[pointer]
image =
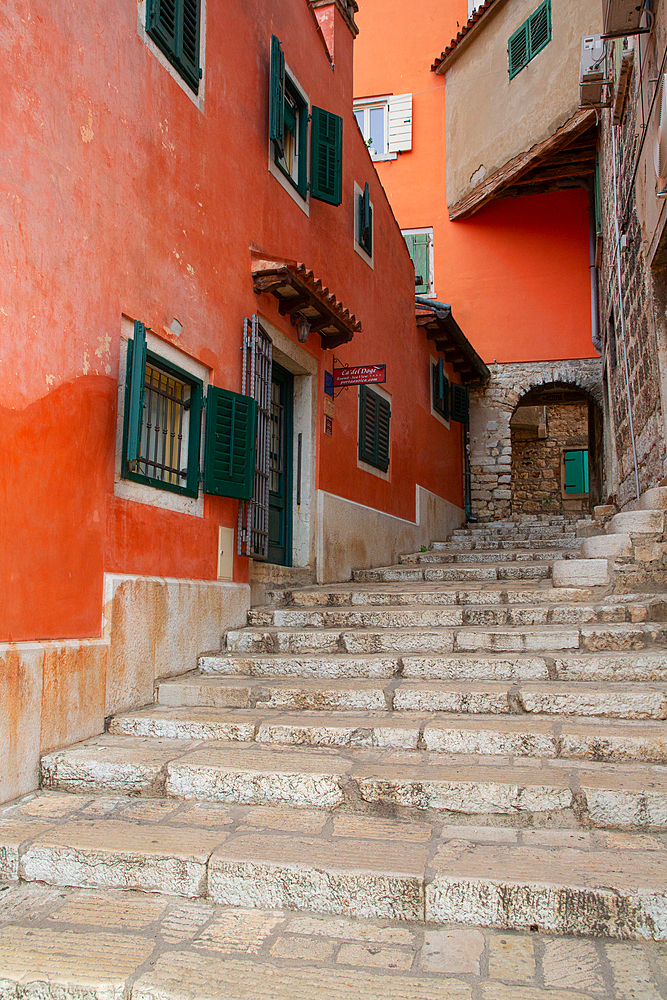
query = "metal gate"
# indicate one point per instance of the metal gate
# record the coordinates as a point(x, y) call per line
point(253, 533)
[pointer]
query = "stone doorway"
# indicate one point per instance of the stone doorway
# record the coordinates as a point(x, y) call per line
point(555, 436)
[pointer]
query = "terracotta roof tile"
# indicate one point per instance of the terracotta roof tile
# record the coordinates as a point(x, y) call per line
point(472, 21)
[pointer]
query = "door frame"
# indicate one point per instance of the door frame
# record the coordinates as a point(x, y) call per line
point(286, 379)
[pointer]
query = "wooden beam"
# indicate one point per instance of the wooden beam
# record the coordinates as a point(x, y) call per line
point(293, 304)
point(508, 174)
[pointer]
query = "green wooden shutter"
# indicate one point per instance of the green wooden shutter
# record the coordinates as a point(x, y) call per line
point(366, 222)
point(135, 390)
point(539, 28)
point(374, 427)
point(277, 98)
point(576, 471)
point(440, 390)
point(326, 157)
point(419, 248)
point(517, 50)
point(174, 25)
point(459, 403)
point(229, 458)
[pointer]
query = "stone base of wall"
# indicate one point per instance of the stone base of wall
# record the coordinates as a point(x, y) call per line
point(491, 408)
point(359, 537)
point(58, 692)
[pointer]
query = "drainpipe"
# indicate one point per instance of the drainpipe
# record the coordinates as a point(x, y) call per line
point(622, 313)
point(592, 240)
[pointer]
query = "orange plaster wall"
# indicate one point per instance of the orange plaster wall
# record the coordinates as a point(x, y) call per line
point(516, 273)
point(118, 196)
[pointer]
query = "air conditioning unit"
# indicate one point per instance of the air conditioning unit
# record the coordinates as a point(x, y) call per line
point(622, 17)
point(591, 71)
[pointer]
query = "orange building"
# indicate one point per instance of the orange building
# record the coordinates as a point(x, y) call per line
point(488, 162)
point(194, 236)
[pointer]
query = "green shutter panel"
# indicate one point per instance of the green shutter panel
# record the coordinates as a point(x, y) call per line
point(174, 25)
point(135, 390)
point(277, 99)
point(229, 458)
point(383, 422)
point(517, 50)
point(576, 471)
point(459, 403)
point(326, 157)
point(441, 380)
point(539, 28)
point(366, 222)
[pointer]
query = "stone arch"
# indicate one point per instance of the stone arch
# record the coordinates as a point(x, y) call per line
point(491, 408)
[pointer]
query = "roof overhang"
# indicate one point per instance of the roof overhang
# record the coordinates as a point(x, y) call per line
point(565, 159)
point(436, 319)
point(304, 298)
point(468, 31)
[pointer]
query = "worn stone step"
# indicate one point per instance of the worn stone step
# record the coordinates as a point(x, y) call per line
point(592, 637)
point(499, 789)
point(454, 573)
point(650, 665)
point(566, 880)
point(557, 733)
point(385, 594)
point(401, 616)
point(474, 556)
point(566, 542)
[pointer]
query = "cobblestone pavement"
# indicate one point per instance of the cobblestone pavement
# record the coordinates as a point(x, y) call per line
point(83, 944)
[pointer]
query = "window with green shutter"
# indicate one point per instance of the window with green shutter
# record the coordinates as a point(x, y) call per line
point(529, 39)
point(162, 429)
point(174, 26)
point(420, 247)
point(440, 390)
point(288, 122)
point(326, 157)
point(365, 221)
point(374, 426)
point(458, 403)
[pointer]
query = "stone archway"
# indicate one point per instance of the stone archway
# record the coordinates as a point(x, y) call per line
point(491, 409)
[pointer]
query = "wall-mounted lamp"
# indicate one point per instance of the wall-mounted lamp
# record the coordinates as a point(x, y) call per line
point(303, 329)
point(176, 327)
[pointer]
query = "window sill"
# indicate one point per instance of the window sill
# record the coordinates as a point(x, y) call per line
point(378, 157)
point(373, 471)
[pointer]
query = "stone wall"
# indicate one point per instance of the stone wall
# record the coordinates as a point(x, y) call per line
point(491, 408)
point(636, 392)
point(537, 485)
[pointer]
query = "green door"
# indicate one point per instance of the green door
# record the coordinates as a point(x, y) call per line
point(280, 467)
point(576, 471)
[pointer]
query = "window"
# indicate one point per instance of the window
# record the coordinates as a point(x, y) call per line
point(439, 389)
point(529, 39)
point(420, 247)
point(575, 465)
point(386, 125)
point(174, 26)
point(162, 429)
point(365, 221)
point(288, 133)
point(374, 421)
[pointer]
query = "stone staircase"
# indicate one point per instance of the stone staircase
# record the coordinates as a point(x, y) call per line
point(450, 739)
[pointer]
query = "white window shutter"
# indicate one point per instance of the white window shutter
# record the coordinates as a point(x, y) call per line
point(399, 123)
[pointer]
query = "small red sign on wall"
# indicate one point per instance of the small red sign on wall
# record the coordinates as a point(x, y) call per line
point(360, 375)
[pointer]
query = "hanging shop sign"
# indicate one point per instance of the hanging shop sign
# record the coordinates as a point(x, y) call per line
point(361, 375)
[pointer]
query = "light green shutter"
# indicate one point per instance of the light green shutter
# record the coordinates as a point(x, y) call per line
point(529, 39)
point(277, 98)
point(517, 50)
point(576, 471)
point(374, 428)
point(174, 25)
point(229, 458)
point(459, 403)
point(419, 248)
point(135, 390)
point(326, 157)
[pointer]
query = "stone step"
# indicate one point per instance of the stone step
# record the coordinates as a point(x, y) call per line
point(472, 557)
point(440, 718)
point(584, 882)
point(585, 666)
point(395, 594)
point(612, 636)
point(451, 574)
point(520, 790)
point(569, 542)
point(398, 616)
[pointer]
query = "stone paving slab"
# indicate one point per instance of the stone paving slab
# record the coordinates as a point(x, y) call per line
point(74, 944)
